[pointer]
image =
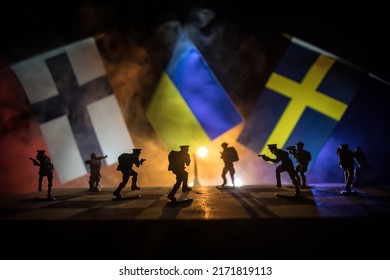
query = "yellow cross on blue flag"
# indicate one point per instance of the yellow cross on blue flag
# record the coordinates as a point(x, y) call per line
point(303, 100)
point(189, 105)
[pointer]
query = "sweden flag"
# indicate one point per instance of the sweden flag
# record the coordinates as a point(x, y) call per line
point(303, 100)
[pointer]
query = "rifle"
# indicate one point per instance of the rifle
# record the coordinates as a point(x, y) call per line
point(99, 158)
point(263, 156)
point(36, 163)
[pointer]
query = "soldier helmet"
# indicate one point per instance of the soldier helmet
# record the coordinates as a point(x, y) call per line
point(137, 150)
point(93, 155)
point(41, 152)
point(344, 146)
point(184, 147)
point(300, 144)
point(224, 144)
point(272, 146)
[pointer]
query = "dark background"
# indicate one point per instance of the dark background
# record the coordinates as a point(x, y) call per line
point(241, 43)
point(355, 32)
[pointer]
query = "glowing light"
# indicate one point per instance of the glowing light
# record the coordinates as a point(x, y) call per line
point(238, 182)
point(202, 151)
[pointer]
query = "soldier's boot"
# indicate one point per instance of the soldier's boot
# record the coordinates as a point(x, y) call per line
point(232, 178)
point(185, 187)
point(303, 183)
point(348, 185)
point(297, 191)
point(298, 180)
point(116, 193)
point(50, 194)
point(134, 186)
point(224, 181)
point(278, 183)
point(171, 195)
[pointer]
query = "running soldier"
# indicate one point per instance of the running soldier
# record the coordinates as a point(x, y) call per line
point(178, 160)
point(126, 162)
point(285, 166)
point(229, 156)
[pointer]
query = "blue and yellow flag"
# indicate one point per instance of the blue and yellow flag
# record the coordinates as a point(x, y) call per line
point(303, 100)
point(189, 106)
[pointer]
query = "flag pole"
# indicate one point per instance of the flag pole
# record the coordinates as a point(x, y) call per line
point(196, 181)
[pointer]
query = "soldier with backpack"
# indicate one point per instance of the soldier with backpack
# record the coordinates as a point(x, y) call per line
point(178, 160)
point(302, 157)
point(229, 155)
point(125, 165)
point(346, 163)
point(46, 169)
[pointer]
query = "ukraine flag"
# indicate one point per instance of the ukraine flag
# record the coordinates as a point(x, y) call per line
point(189, 106)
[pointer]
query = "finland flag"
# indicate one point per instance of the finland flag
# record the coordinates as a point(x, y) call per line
point(74, 104)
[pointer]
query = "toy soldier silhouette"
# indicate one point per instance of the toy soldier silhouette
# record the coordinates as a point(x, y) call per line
point(362, 167)
point(94, 177)
point(346, 163)
point(178, 160)
point(229, 156)
point(46, 169)
point(302, 157)
point(285, 166)
point(125, 165)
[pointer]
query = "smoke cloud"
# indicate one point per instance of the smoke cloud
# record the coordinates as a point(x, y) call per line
point(135, 48)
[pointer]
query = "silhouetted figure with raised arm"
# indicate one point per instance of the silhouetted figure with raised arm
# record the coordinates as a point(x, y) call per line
point(346, 163)
point(285, 166)
point(229, 156)
point(178, 160)
point(125, 165)
point(362, 167)
point(94, 176)
point(302, 157)
point(46, 169)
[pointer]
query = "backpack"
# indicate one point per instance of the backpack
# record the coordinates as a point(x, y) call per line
point(48, 165)
point(172, 159)
point(306, 156)
point(232, 154)
point(123, 161)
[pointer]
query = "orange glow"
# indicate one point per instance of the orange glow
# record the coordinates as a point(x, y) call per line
point(202, 151)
